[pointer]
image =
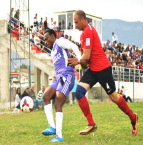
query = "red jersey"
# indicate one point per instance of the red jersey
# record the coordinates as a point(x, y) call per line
point(90, 39)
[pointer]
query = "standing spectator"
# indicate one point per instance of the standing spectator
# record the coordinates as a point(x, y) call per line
point(35, 20)
point(46, 25)
point(41, 22)
point(114, 38)
point(51, 24)
point(11, 12)
point(40, 96)
point(16, 16)
point(32, 95)
point(17, 98)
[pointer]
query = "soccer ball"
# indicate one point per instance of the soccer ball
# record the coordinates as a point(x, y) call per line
point(26, 104)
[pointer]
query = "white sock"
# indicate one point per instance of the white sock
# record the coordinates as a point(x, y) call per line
point(59, 122)
point(49, 114)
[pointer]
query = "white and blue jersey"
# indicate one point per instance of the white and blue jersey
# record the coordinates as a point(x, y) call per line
point(64, 73)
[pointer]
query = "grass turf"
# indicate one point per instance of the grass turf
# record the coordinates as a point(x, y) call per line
point(113, 126)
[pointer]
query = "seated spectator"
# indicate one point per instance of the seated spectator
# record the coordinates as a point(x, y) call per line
point(24, 33)
point(123, 92)
point(55, 26)
point(37, 40)
point(32, 40)
point(35, 29)
point(25, 93)
point(17, 98)
point(32, 95)
point(40, 96)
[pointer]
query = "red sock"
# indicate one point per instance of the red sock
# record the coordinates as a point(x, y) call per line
point(84, 106)
point(125, 108)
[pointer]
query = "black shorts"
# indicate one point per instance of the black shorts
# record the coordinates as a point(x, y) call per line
point(104, 77)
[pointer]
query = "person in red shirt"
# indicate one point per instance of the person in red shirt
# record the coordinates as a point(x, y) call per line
point(99, 70)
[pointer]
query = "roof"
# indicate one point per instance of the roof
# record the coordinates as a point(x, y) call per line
point(74, 11)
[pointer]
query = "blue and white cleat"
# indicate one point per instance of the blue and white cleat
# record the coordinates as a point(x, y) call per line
point(49, 131)
point(57, 139)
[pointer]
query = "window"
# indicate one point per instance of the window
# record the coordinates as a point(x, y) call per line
point(62, 21)
point(98, 27)
point(70, 21)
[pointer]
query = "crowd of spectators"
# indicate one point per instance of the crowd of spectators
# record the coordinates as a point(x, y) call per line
point(118, 54)
point(125, 57)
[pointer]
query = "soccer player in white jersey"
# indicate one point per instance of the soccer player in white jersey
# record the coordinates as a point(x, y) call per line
point(63, 84)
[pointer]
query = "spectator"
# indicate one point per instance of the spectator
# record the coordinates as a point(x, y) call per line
point(35, 29)
point(16, 16)
point(11, 12)
point(66, 36)
point(25, 93)
point(40, 96)
point(41, 22)
point(114, 38)
point(35, 20)
point(70, 38)
point(51, 24)
point(123, 92)
point(17, 98)
point(32, 95)
point(37, 40)
point(46, 25)
point(55, 26)
point(62, 33)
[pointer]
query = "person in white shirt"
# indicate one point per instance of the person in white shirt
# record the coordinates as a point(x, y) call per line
point(17, 98)
point(37, 40)
point(114, 37)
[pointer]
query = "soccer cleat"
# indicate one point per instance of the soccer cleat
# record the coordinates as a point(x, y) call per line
point(57, 139)
point(49, 131)
point(135, 125)
point(89, 129)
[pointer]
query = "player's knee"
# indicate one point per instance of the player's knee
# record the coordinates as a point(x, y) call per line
point(80, 92)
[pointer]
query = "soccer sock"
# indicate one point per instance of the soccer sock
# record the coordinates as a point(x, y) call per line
point(49, 114)
point(59, 122)
point(125, 108)
point(84, 106)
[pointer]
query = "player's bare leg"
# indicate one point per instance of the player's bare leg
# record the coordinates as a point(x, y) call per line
point(49, 94)
point(125, 108)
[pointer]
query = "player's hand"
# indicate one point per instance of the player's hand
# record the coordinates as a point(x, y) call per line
point(84, 63)
point(73, 61)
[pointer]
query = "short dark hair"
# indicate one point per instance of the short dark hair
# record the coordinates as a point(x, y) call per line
point(80, 14)
point(51, 31)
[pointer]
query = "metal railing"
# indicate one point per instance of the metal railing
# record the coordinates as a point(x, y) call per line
point(125, 74)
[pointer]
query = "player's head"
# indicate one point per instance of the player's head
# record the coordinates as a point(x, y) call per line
point(80, 20)
point(50, 37)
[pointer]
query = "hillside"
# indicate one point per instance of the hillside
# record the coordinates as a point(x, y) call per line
point(127, 32)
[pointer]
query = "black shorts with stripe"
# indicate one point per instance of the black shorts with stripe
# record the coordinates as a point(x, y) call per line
point(104, 77)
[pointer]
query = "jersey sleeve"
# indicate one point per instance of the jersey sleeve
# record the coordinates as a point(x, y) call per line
point(66, 44)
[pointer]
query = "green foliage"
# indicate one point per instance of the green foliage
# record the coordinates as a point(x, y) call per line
point(23, 66)
point(114, 127)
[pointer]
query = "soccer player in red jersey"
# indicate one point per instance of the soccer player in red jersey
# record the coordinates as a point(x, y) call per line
point(99, 70)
